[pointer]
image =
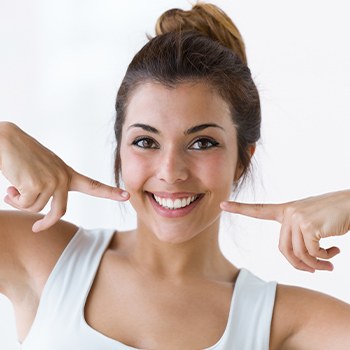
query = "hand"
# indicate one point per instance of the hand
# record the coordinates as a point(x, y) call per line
point(304, 223)
point(37, 174)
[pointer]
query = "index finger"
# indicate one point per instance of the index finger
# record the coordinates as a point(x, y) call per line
point(84, 184)
point(258, 211)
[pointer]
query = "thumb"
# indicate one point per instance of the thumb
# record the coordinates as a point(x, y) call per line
point(84, 184)
point(258, 211)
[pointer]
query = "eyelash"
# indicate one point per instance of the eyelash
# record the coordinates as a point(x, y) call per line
point(155, 145)
point(147, 139)
point(205, 140)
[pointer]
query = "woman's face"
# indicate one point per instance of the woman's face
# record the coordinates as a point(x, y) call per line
point(178, 158)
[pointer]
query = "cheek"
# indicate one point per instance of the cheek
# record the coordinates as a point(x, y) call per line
point(218, 172)
point(133, 169)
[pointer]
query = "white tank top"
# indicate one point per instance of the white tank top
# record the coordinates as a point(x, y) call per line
point(60, 324)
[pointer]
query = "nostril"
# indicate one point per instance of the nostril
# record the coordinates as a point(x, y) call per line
point(172, 174)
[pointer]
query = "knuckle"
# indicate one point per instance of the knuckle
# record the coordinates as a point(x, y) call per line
point(63, 178)
point(25, 203)
point(297, 216)
point(282, 247)
point(300, 266)
point(299, 253)
point(297, 264)
point(285, 249)
point(258, 207)
point(289, 211)
point(318, 235)
point(306, 225)
point(34, 187)
point(52, 218)
point(95, 185)
point(63, 210)
point(50, 186)
point(60, 212)
point(312, 253)
point(32, 183)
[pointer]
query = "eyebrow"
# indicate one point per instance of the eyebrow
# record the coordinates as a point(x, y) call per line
point(145, 127)
point(189, 131)
point(201, 127)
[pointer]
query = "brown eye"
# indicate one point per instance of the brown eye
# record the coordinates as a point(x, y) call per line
point(204, 144)
point(145, 143)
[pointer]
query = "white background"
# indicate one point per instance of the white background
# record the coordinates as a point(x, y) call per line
point(61, 63)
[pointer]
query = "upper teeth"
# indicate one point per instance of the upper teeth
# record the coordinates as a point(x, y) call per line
point(174, 204)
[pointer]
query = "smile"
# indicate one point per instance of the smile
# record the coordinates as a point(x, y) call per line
point(177, 203)
point(174, 205)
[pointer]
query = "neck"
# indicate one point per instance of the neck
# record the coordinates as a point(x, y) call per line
point(198, 257)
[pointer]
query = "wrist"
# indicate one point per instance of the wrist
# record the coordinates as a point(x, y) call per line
point(346, 194)
point(347, 198)
point(6, 130)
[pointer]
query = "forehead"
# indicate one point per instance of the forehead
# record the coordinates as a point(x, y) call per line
point(185, 104)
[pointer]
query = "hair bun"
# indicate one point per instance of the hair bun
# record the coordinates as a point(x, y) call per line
point(207, 19)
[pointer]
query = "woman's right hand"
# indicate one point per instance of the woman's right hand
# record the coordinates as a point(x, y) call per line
point(37, 174)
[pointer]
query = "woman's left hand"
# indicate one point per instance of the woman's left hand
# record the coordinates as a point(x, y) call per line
point(304, 223)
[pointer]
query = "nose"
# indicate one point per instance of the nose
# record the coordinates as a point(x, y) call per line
point(172, 166)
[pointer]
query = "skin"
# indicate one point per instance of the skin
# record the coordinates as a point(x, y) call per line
point(303, 224)
point(168, 267)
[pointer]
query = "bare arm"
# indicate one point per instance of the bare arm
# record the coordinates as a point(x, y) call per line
point(309, 320)
point(36, 175)
point(27, 258)
point(305, 319)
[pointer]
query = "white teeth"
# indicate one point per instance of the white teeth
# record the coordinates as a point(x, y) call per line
point(174, 204)
point(177, 203)
point(170, 203)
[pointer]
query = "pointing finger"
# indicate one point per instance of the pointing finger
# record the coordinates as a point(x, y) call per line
point(258, 211)
point(95, 188)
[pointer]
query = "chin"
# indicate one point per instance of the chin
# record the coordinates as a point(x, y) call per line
point(172, 236)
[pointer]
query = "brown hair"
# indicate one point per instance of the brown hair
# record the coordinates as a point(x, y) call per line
point(207, 19)
point(200, 45)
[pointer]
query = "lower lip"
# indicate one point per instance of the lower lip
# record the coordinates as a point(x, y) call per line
point(173, 213)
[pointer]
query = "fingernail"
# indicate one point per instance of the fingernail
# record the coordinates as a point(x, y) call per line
point(36, 228)
point(125, 194)
point(225, 205)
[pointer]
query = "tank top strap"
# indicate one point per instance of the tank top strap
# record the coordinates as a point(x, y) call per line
point(249, 321)
point(252, 310)
point(63, 298)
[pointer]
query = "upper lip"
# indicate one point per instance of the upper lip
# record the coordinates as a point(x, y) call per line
point(174, 195)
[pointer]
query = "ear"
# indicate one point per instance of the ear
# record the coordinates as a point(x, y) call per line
point(240, 169)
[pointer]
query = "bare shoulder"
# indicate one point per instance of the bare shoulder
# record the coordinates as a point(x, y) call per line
point(306, 319)
point(27, 258)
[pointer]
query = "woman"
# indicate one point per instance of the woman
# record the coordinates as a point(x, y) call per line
point(165, 284)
